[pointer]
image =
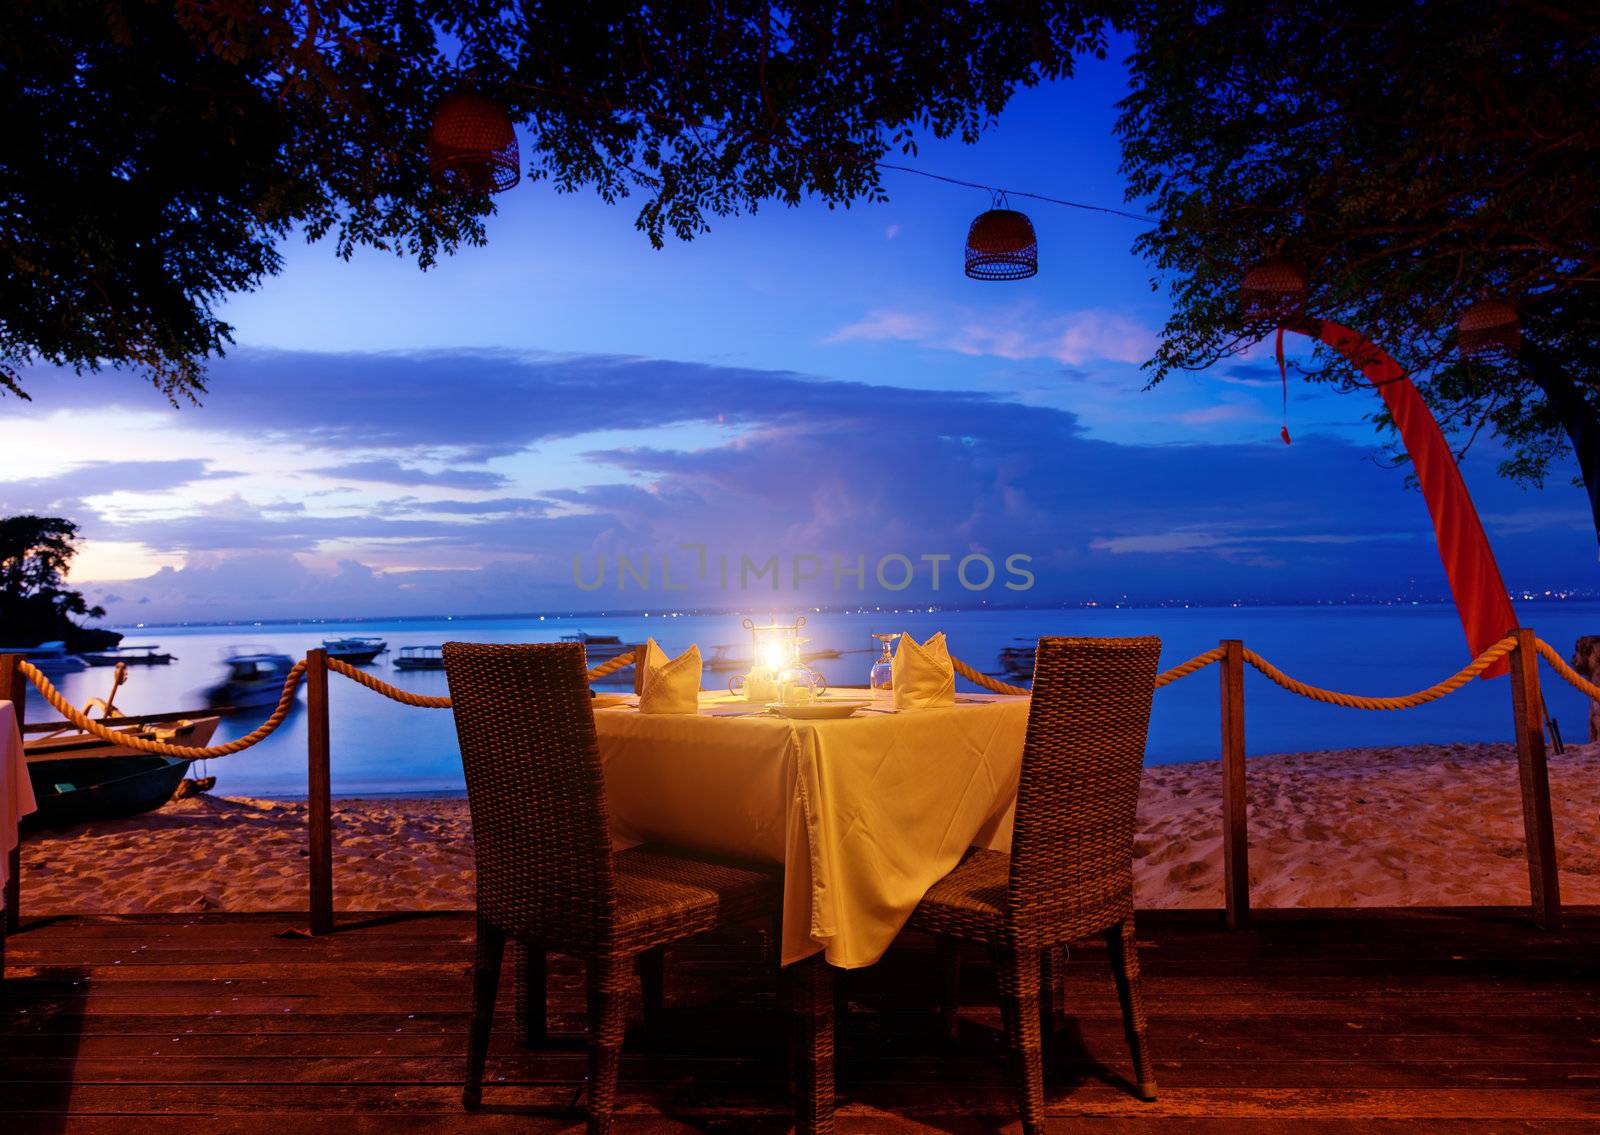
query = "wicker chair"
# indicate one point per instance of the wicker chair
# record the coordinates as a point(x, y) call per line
point(1070, 872)
point(547, 876)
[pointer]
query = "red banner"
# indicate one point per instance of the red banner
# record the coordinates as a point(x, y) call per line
point(1475, 582)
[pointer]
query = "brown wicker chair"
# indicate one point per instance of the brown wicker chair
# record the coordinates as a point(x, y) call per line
point(1070, 872)
point(547, 876)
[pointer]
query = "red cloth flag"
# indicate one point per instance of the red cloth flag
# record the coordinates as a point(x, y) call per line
point(1469, 564)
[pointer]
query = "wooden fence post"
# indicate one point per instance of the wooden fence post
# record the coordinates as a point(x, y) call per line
point(14, 688)
point(1538, 828)
point(1235, 819)
point(319, 792)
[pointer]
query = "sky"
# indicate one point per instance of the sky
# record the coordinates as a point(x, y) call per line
point(803, 406)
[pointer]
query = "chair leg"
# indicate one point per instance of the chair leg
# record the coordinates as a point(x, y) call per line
point(1124, 955)
point(610, 979)
point(1017, 976)
point(487, 956)
point(1052, 961)
point(652, 980)
point(811, 999)
point(532, 982)
point(949, 958)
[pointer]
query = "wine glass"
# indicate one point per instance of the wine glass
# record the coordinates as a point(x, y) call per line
point(882, 677)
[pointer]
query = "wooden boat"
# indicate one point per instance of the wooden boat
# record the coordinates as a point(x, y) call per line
point(50, 657)
point(78, 777)
point(420, 658)
point(149, 654)
point(357, 650)
point(723, 659)
point(598, 648)
point(255, 678)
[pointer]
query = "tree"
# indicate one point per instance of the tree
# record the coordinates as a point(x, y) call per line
point(35, 607)
point(158, 153)
point(1413, 158)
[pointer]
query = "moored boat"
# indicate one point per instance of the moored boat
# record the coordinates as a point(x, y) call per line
point(598, 648)
point(49, 657)
point(420, 658)
point(255, 678)
point(146, 654)
point(357, 650)
point(1016, 662)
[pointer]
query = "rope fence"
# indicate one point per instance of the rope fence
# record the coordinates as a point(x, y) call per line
point(1522, 645)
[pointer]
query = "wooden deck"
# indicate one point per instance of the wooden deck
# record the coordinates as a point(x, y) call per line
point(1371, 1022)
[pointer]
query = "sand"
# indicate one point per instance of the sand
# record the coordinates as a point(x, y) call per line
point(1422, 825)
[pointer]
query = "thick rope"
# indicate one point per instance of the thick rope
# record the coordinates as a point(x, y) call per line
point(1184, 669)
point(978, 678)
point(73, 714)
point(424, 701)
point(379, 686)
point(1354, 701)
point(1560, 666)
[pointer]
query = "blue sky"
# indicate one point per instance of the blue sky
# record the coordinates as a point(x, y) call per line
point(798, 383)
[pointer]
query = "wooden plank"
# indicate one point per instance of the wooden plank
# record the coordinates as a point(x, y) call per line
point(319, 801)
point(1544, 882)
point(1235, 797)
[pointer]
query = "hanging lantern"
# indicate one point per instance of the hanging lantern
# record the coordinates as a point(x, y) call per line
point(1273, 289)
point(1489, 326)
point(472, 147)
point(1001, 246)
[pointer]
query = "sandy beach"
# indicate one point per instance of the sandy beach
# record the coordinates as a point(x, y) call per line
point(1420, 825)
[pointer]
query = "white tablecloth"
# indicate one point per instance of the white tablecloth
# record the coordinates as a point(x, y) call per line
point(864, 813)
point(16, 791)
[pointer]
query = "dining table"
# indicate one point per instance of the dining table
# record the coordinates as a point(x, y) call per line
point(863, 813)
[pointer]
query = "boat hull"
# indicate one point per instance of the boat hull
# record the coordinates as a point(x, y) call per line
point(76, 790)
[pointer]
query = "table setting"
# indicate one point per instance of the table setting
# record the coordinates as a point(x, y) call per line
point(866, 797)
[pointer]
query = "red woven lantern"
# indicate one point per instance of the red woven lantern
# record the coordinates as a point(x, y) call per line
point(1273, 289)
point(1001, 246)
point(1489, 326)
point(472, 147)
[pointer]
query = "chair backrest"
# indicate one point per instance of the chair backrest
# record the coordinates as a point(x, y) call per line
point(540, 828)
point(1077, 803)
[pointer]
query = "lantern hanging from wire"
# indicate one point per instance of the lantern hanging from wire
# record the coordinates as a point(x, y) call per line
point(1001, 244)
point(1273, 289)
point(472, 146)
point(1489, 326)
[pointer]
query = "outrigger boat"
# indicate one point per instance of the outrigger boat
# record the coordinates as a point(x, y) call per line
point(77, 776)
point(49, 657)
point(1016, 662)
point(598, 648)
point(357, 650)
point(149, 654)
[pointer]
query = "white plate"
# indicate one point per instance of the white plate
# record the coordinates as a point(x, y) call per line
point(817, 711)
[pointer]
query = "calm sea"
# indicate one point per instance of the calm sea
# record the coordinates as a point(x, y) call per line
point(380, 746)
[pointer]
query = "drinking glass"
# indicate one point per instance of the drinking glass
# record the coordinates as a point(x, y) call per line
point(882, 677)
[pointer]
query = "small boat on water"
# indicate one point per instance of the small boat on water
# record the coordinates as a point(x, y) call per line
point(420, 658)
point(50, 657)
point(255, 678)
point(357, 650)
point(598, 648)
point(723, 659)
point(148, 654)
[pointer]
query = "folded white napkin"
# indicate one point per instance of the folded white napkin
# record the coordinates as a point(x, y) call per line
point(922, 675)
point(669, 685)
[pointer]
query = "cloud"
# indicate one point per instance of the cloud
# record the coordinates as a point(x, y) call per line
point(96, 478)
point(891, 232)
point(1017, 333)
point(799, 465)
point(1222, 412)
point(387, 471)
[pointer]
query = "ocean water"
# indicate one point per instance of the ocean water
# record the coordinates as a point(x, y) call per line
point(382, 747)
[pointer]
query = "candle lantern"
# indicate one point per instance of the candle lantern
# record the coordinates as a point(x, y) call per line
point(777, 670)
point(1273, 289)
point(1489, 327)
